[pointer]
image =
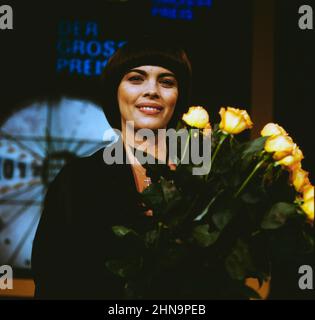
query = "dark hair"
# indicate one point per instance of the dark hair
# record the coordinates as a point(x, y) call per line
point(139, 52)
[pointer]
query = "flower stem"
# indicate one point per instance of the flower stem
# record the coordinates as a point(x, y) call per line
point(222, 138)
point(258, 165)
point(205, 211)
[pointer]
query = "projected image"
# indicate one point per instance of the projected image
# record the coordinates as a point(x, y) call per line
point(35, 143)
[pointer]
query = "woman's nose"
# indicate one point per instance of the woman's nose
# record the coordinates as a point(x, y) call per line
point(151, 90)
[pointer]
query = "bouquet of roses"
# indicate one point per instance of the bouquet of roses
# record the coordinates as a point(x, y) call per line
point(210, 233)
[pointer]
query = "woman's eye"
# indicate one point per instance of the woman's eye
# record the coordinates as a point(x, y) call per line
point(168, 82)
point(135, 79)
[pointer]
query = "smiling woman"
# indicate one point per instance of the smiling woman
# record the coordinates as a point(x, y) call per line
point(170, 69)
point(146, 82)
point(147, 95)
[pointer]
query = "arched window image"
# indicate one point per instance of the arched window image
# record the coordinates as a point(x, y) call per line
point(35, 143)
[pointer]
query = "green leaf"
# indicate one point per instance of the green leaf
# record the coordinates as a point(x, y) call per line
point(239, 262)
point(222, 218)
point(254, 147)
point(125, 268)
point(153, 196)
point(203, 237)
point(249, 151)
point(278, 215)
point(122, 231)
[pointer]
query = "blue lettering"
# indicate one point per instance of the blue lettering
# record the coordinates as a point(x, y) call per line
point(109, 47)
point(78, 47)
point(87, 67)
point(93, 48)
point(61, 64)
point(75, 66)
point(186, 14)
point(99, 66)
point(91, 29)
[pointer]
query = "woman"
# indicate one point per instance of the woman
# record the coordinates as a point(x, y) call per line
point(148, 81)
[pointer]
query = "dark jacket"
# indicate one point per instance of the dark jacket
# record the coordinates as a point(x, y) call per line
point(74, 237)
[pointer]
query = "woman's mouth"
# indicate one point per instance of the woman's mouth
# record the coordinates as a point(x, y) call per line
point(150, 109)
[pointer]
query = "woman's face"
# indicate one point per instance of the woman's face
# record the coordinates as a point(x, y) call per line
point(147, 95)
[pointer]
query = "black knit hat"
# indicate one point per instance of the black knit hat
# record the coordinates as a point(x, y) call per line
point(139, 52)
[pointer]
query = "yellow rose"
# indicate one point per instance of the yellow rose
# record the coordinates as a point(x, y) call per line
point(289, 160)
point(196, 117)
point(295, 166)
point(308, 192)
point(207, 130)
point(272, 129)
point(299, 178)
point(308, 208)
point(281, 144)
point(234, 121)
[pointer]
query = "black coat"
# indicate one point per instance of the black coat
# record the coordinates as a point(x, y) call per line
point(74, 237)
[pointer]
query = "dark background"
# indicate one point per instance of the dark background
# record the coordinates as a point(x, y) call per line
point(294, 98)
point(218, 42)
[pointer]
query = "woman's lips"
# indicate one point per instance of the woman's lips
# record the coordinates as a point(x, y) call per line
point(150, 109)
